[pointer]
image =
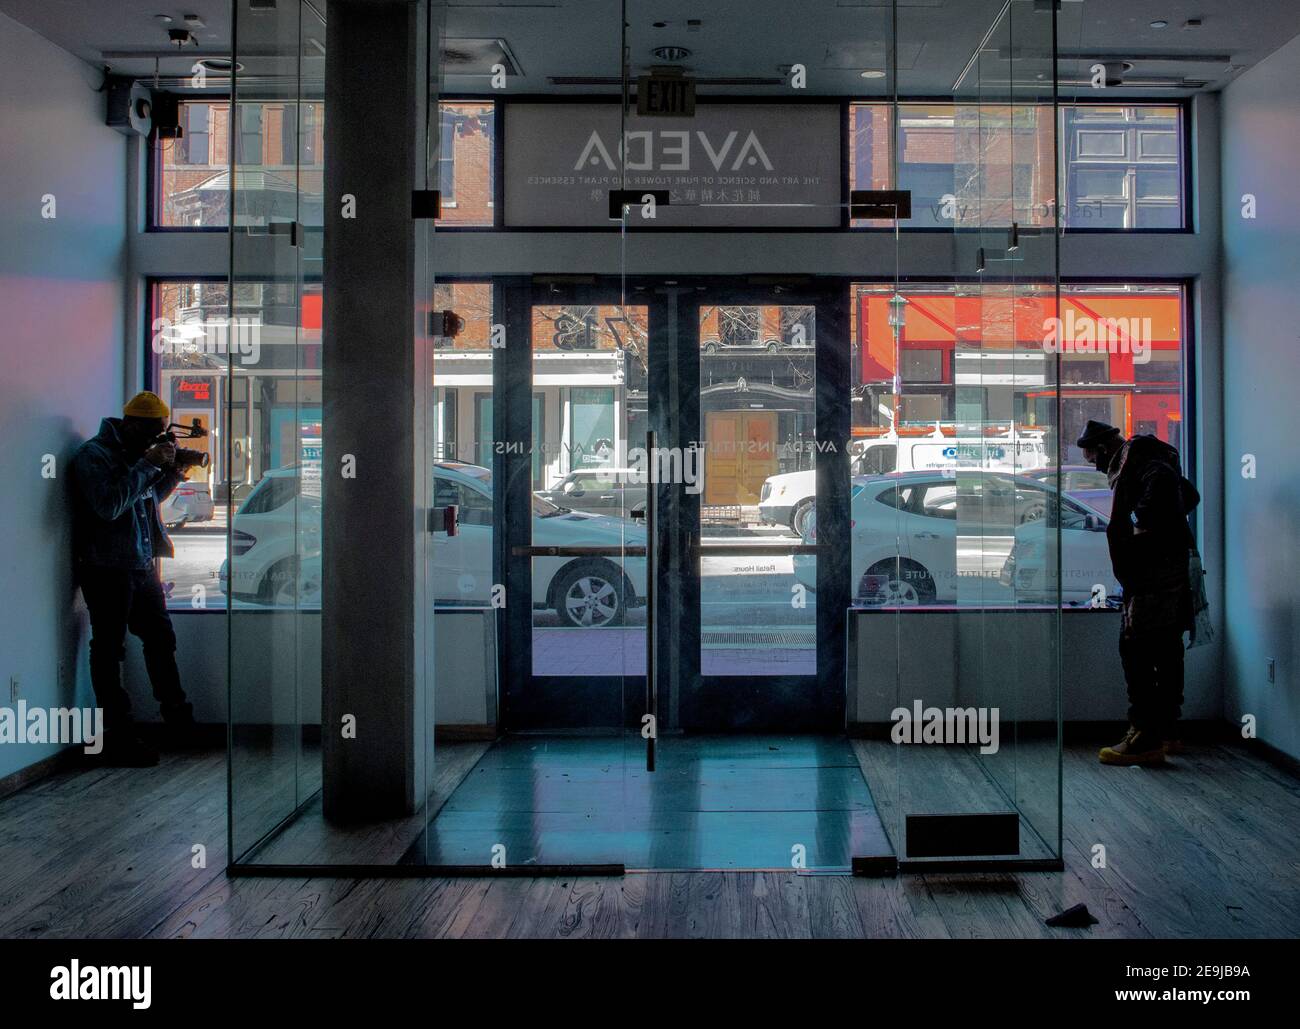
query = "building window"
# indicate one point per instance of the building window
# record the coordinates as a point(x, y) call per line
point(447, 157)
point(281, 170)
point(195, 140)
point(466, 165)
point(930, 361)
point(1122, 164)
point(248, 143)
point(255, 383)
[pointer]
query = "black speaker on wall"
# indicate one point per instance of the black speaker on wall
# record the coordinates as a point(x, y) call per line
point(130, 106)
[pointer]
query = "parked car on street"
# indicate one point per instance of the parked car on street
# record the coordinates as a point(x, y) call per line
point(276, 538)
point(1082, 482)
point(785, 499)
point(906, 546)
point(716, 343)
point(189, 502)
point(611, 491)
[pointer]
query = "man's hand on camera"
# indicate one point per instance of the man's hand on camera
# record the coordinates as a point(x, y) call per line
point(163, 454)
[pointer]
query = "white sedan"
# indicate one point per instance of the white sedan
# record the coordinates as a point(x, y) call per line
point(275, 546)
point(907, 548)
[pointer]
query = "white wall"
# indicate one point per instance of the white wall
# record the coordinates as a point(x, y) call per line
point(1261, 290)
point(62, 298)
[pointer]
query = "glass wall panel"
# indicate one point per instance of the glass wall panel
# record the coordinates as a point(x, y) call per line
point(955, 457)
point(268, 472)
point(534, 616)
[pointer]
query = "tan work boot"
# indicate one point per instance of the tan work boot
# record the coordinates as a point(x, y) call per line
point(1136, 748)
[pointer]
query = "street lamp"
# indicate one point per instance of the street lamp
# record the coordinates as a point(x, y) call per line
point(897, 322)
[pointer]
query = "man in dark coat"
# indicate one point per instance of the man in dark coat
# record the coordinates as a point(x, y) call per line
point(119, 478)
point(1150, 546)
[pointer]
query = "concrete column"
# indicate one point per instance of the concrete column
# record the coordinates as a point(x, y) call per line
point(369, 665)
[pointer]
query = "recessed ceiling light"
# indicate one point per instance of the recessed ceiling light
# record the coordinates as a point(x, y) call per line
point(872, 73)
point(1160, 24)
point(671, 53)
point(219, 65)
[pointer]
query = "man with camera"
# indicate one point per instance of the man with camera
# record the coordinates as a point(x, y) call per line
point(119, 479)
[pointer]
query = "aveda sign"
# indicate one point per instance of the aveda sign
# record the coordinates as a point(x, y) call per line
point(671, 151)
point(728, 165)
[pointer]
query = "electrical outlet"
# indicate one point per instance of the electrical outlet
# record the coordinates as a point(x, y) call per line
point(1272, 669)
point(15, 687)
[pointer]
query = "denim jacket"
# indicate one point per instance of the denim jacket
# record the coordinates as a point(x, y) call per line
point(115, 503)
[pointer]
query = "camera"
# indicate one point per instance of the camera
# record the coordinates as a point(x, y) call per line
point(186, 458)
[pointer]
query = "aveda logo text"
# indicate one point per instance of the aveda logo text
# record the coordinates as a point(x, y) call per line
point(672, 151)
point(103, 982)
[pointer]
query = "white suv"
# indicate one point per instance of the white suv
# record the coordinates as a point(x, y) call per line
point(276, 535)
point(905, 542)
point(786, 499)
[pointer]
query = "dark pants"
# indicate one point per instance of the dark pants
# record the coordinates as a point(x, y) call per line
point(1153, 669)
point(120, 600)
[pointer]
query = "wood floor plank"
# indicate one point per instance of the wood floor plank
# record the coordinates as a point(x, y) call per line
point(1209, 846)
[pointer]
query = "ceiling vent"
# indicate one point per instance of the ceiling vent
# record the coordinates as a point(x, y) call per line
point(477, 57)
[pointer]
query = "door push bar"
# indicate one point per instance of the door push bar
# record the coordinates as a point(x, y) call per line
point(445, 519)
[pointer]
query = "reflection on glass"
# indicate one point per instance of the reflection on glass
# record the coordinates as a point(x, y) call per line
point(917, 351)
point(1121, 163)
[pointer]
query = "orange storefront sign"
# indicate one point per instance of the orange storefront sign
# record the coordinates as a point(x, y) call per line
point(940, 320)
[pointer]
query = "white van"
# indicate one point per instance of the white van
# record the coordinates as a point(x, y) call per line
point(786, 499)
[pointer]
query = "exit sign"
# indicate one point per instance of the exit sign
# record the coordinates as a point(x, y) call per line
point(665, 96)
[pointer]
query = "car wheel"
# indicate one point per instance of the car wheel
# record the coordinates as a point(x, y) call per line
point(590, 595)
point(1032, 513)
point(905, 584)
point(279, 586)
point(799, 517)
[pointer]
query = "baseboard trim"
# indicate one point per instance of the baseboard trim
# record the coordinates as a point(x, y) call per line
point(471, 733)
point(68, 757)
point(1278, 758)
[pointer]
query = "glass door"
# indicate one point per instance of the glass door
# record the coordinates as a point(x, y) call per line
point(764, 655)
point(734, 174)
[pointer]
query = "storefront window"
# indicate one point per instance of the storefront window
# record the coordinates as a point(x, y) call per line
point(192, 174)
point(1121, 163)
point(251, 381)
point(1122, 362)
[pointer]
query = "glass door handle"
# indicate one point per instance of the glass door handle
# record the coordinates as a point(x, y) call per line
point(698, 550)
point(651, 574)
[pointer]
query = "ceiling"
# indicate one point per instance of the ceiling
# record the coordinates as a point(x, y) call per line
point(572, 46)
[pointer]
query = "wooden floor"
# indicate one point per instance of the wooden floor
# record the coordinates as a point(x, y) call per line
point(1207, 847)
